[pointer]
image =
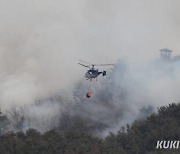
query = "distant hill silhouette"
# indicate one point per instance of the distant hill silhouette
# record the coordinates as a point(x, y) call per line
point(139, 138)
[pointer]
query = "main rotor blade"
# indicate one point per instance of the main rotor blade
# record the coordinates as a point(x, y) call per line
point(85, 62)
point(93, 64)
point(104, 65)
point(84, 65)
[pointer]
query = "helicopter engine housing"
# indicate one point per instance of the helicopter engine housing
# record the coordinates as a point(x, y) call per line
point(104, 73)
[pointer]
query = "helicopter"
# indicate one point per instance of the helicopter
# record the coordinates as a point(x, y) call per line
point(93, 73)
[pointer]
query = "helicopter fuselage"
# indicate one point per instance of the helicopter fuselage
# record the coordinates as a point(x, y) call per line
point(93, 73)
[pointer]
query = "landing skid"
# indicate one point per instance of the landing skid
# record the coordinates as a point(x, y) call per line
point(92, 79)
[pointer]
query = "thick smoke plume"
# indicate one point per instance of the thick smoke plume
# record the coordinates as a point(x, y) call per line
point(41, 85)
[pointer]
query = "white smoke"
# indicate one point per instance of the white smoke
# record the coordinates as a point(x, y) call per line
point(41, 42)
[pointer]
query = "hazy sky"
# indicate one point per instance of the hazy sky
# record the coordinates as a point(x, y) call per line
point(41, 41)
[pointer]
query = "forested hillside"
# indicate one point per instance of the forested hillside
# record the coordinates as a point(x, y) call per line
point(139, 138)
